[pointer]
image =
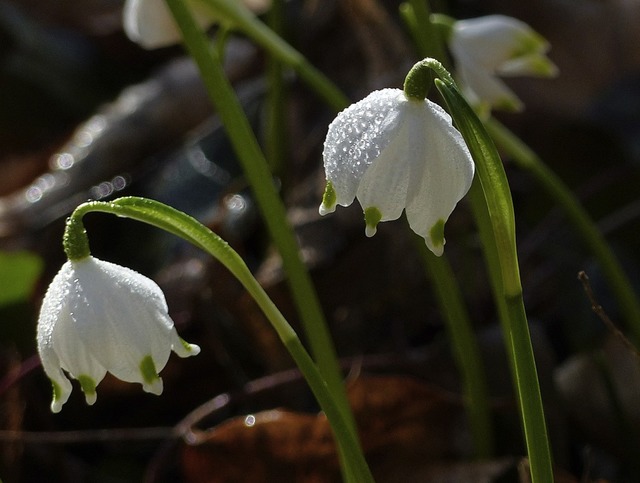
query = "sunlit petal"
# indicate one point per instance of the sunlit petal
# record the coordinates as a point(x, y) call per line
point(485, 47)
point(98, 317)
point(412, 159)
point(355, 138)
point(445, 179)
point(149, 22)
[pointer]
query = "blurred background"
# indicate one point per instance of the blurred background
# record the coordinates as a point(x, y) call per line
point(87, 114)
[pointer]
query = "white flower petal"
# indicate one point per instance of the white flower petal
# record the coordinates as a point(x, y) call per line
point(412, 158)
point(181, 347)
point(98, 317)
point(496, 44)
point(134, 300)
point(492, 39)
point(150, 380)
point(384, 185)
point(443, 180)
point(487, 88)
point(74, 357)
point(149, 22)
point(535, 65)
point(52, 304)
point(355, 138)
point(61, 385)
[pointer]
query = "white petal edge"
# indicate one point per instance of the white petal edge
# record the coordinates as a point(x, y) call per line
point(149, 22)
point(355, 138)
point(442, 182)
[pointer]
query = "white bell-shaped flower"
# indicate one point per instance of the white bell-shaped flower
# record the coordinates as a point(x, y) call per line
point(496, 45)
point(98, 317)
point(395, 153)
point(149, 22)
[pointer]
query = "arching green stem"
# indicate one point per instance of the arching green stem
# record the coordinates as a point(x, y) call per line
point(257, 172)
point(173, 221)
point(420, 78)
point(241, 18)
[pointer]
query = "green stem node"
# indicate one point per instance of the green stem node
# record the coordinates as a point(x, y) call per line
point(75, 241)
point(419, 79)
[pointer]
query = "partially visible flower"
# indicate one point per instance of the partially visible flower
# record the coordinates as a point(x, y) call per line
point(150, 24)
point(496, 45)
point(98, 317)
point(393, 153)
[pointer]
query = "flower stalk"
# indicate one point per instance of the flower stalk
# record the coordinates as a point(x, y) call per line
point(75, 241)
point(244, 20)
point(180, 224)
point(257, 172)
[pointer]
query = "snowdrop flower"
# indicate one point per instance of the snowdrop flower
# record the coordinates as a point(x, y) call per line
point(396, 153)
point(150, 24)
point(97, 317)
point(487, 47)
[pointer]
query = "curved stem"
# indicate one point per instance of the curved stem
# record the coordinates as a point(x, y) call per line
point(182, 225)
point(526, 159)
point(272, 209)
point(417, 16)
point(245, 21)
point(519, 349)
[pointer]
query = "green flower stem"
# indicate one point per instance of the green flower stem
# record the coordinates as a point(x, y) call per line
point(475, 196)
point(75, 240)
point(492, 178)
point(499, 206)
point(514, 326)
point(273, 211)
point(241, 18)
point(416, 14)
point(247, 23)
point(420, 77)
point(526, 159)
point(173, 221)
point(465, 348)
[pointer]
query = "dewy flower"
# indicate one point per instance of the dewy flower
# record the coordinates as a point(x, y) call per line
point(395, 153)
point(487, 47)
point(150, 24)
point(98, 317)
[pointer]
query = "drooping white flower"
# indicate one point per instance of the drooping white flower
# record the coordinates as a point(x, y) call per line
point(393, 153)
point(149, 22)
point(496, 45)
point(98, 317)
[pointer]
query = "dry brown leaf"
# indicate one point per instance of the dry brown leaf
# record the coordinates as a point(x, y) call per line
point(399, 418)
